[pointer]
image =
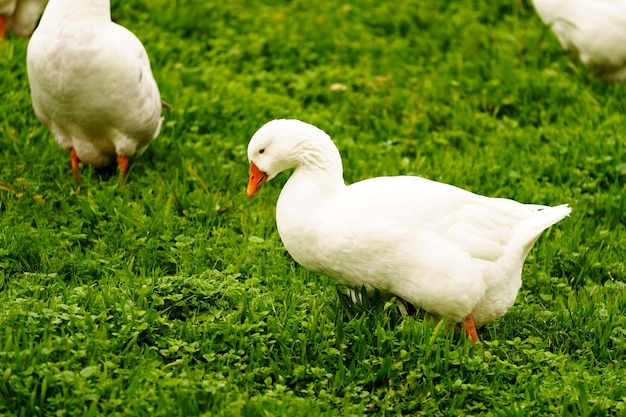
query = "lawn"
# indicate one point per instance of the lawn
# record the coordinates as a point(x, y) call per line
point(173, 295)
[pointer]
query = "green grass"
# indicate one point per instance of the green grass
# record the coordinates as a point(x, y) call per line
point(175, 296)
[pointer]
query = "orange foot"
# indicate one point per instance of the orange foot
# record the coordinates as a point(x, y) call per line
point(3, 25)
point(122, 162)
point(470, 329)
point(74, 161)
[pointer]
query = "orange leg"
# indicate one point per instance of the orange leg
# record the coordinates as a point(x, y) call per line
point(122, 162)
point(75, 161)
point(470, 329)
point(3, 25)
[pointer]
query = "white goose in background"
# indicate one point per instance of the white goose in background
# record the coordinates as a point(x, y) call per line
point(91, 84)
point(26, 16)
point(21, 16)
point(455, 254)
point(594, 29)
point(7, 8)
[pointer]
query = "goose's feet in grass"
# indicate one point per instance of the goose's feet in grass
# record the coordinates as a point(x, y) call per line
point(122, 162)
point(75, 161)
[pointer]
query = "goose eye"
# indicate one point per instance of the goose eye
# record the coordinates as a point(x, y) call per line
point(261, 151)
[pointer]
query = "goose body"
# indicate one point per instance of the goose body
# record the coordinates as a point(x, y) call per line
point(91, 83)
point(594, 29)
point(454, 253)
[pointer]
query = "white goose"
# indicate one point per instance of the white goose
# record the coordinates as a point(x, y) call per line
point(25, 16)
point(7, 8)
point(453, 253)
point(594, 29)
point(91, 84)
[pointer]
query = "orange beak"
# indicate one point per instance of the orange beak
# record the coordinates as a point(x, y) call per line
point(256, 180)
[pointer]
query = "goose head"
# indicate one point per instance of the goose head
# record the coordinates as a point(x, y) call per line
point(284, 144)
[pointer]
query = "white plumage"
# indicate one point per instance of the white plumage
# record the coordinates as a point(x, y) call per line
point(594, 29)
point(91, 83)
point(21, 16)
point(453, 253)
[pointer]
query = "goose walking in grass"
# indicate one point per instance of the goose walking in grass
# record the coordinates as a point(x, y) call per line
point(20, 16)
point(456, 254)
point(593, 29)
point(91, 84)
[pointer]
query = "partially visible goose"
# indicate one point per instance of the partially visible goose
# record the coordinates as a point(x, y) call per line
point(7, 8)
point(453, 253)
point(91, 84)
point(594, 29)
point(25, 16)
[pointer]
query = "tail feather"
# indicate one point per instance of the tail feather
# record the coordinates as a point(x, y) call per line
point(545, 217)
